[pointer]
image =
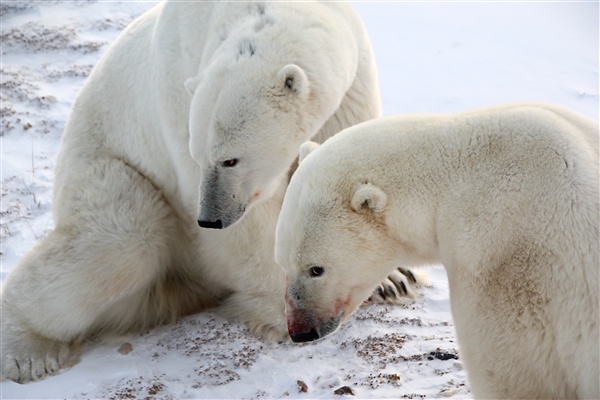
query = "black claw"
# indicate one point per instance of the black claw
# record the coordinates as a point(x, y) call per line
point(408, 273)
point(381, 293)
point(391, 291)
point(400, 285)
point(403, 288)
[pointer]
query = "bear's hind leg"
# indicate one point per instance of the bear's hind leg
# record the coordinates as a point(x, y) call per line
point(110, 244)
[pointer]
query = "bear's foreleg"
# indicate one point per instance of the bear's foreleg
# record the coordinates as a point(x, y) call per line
point(91, 274)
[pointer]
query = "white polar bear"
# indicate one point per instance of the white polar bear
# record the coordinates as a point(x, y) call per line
point(506, 198)
point(145, 158)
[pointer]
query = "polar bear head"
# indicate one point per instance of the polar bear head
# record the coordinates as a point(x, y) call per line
point(270, 80)
point(332, 240)
point(246, 124)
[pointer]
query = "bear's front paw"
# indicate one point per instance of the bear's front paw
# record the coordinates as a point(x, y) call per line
point(270, 333)
point(30, 357)
point(400, 287)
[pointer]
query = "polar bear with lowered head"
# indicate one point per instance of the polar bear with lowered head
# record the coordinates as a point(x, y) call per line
point(192, 117)
point(506, 198)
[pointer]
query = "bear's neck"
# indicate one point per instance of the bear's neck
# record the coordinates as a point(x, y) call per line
point(418, 170)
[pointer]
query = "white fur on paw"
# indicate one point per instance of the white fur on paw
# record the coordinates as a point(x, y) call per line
point(31, 357)
point(269, 333)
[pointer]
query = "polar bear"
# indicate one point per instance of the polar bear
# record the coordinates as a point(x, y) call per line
point(193, 117)
point(506, 198)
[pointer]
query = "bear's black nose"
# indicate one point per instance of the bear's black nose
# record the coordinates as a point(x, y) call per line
point(210, 224)
point(313, 334)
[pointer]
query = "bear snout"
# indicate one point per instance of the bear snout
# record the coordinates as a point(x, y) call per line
point(301, 326)
point(219, 202)
point(217, 217)
point(304, 328)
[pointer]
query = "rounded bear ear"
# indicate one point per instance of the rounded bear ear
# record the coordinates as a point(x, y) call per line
point(369, 197)
point(292, 79)
point(306, 148)
point(191, 84)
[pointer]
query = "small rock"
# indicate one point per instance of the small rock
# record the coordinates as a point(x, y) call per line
point(344, 390)
point(125, 348)
point(441, 355)
point(27, 126)
point(50, 99)
point(302, 386)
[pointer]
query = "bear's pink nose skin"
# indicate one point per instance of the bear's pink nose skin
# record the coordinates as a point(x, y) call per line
point(306, 325)
point(300, 326)
point(305, 328)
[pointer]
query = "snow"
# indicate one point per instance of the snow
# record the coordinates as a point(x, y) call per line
point(432, 57)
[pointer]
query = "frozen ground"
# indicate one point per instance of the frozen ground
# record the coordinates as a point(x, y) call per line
point(432, 57)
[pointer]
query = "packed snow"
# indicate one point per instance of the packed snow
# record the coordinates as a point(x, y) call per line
point(432, 57)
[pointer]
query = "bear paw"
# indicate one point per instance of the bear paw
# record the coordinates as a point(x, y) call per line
point(30, 357)
point(267, 332)
point(400, 287)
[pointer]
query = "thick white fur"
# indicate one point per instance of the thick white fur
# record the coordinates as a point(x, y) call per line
point(506, 198)
point(185, 87)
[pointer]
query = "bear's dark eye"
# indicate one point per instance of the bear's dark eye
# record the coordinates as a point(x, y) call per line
point(316, 271)
point(230, 163)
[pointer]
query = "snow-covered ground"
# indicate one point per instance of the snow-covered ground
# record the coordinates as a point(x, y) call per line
point(432, 57)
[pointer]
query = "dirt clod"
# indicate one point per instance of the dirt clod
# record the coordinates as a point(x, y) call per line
point(125, 348)
point(344, 390)
point(302, 386)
